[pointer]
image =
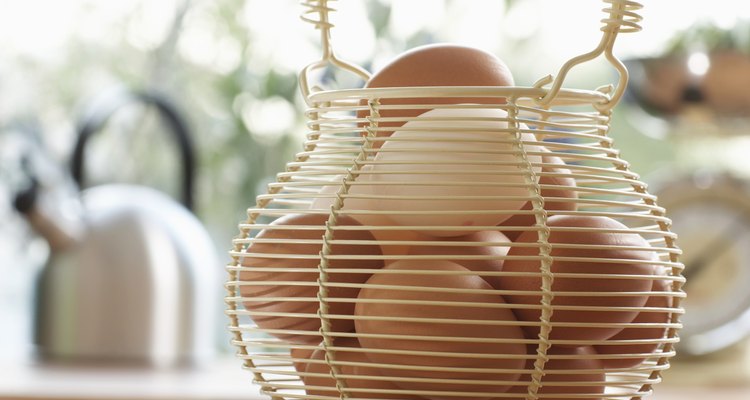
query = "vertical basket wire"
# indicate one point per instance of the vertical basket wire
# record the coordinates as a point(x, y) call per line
point(288, 264)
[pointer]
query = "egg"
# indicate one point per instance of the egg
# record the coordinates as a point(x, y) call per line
point(497, 247)
point(392, 240)
point(355, 372)
point(637, 332)
point(548, 194)
point(300, 357)
point(455, 168)
point(614, 263)
point(436, 65)
point(301, 287)
point(464, 329)
point(561, 376)
point(360, 190)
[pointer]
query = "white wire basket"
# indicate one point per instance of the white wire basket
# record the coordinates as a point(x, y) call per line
point(496, 249)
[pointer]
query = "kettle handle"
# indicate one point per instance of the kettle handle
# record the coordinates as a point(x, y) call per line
point(102, 111)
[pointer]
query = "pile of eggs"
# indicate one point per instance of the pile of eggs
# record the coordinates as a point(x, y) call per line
point(427, 283)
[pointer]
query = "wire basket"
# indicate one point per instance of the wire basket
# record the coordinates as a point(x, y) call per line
point(496, 249)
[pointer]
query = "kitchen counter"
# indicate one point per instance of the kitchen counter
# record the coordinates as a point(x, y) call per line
point(667, 392)
point(221, 380)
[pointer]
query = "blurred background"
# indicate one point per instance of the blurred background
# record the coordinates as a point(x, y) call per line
point(128, 81)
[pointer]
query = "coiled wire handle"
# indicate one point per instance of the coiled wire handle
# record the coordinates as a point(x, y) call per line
point(621, 17)
point(317, 13)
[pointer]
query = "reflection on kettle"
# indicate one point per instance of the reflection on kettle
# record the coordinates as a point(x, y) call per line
point(132, 275)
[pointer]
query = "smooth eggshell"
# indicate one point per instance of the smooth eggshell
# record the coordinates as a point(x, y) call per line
point(393, 241)
point(284, 255)
point(359, 190)
point(529, 220)
point(640, 265)
point(563, 371)
point(300, 358)
point(495, 249)
point(436, 65)
point(464, 287)
point(351, 371)
point(451, 158)
point(635, 333)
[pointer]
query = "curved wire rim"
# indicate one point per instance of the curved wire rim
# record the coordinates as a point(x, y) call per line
point(520, 92)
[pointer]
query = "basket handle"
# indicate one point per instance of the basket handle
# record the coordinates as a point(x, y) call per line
point(621, 17)
point(322, 22)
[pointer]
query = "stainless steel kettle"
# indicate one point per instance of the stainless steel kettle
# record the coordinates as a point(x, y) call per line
point(132, 276)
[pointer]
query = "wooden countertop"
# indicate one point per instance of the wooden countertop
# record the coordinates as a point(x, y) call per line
point(221, 380)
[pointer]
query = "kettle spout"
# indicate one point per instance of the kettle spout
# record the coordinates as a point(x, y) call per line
point(56, 224)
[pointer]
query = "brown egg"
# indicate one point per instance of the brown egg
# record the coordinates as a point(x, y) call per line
point(370, 217)
point(529, 220)
point(357, 387)
point(436, 65)
point(449, 252)
point(582, 261)
point(635, 333)
point(443, 336)
point(359, 191)
point(399, 239)
point(564, 371)
point(282, 282)
point(300, 358)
